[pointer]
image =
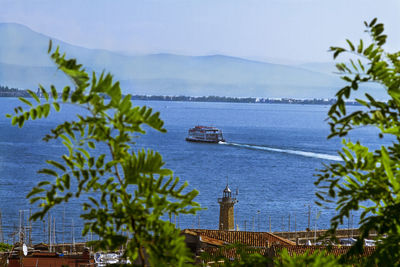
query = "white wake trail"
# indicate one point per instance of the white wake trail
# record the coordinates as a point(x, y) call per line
point(288, 151)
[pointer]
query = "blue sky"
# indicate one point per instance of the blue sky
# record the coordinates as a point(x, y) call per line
point(291, 30)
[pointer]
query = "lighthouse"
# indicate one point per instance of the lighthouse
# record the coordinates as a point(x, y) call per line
point(226, 212)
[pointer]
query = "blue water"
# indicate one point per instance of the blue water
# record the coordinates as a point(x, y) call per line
point(270, 158)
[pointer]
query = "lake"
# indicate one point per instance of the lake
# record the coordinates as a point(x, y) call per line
point(271, 156)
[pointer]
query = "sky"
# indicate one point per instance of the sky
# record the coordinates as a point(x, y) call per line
point(288, 31)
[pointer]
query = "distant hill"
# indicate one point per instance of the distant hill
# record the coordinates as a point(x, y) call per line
point(322, 67)
point(29, 77)
point(24, 63)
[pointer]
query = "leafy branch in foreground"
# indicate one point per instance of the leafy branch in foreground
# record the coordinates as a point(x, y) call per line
point(122, 190)
point(369, 178)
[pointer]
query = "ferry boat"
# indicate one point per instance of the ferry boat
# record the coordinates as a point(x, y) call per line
point(205, 134)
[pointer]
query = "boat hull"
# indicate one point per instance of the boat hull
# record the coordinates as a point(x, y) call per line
point(204, 141)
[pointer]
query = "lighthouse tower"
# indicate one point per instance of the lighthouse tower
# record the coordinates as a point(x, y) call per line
point(226, 213)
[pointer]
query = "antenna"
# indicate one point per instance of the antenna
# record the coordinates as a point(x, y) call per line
point(269, 217)
point(295, 229)
point(30, 227)
point(54, 232)
point(1, 229)
point(22, 226)
point(73, 235)
point(63, 225)
point(44, 231)
point(49, 230)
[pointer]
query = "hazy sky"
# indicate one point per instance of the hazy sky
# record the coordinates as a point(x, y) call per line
point(299, 30)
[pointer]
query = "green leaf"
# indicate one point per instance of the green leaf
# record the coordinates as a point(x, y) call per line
point(65, 93)
point(84, 152)
point(34, 95)
point(35, 191)
point(337, 52)
point(350, 44)
point(91, 145)
point(54, 92)
point(50, 46)
point(21, 120)
point(372, 23)
point(56, 164)
point(388, 169)
point(362, 102)
point(66, 139)
point(33, 113)
point(43, 183)
point(25, 101)
point(100, 161)
point(368, 50)
point(46, 109)
point(360, 47)
point(56, 106)
point(67, 180)
point(378, 29)
point(48, 172)
point(14, 121)
point(44, 92)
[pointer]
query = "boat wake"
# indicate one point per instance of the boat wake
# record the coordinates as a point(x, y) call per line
point(287, 151)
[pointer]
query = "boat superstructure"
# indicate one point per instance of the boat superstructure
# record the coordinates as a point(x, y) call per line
point(205, 134)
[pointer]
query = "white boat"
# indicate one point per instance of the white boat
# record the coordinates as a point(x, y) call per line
point(205, 134)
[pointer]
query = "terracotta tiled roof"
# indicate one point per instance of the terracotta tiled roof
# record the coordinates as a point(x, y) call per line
point(335, 250)
point(211, 253)
point(44, 254)
point(254, 239)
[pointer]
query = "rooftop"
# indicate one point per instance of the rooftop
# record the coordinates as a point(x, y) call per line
point(254, 239)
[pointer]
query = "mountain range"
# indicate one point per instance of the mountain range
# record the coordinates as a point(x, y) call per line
point(24, 63)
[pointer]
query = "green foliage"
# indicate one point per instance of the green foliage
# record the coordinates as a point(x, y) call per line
point(5, 247)
point(316, 259)
point(370, 178)
point(125, 191)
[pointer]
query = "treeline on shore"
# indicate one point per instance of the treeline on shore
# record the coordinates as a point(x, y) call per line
point(5, 91)
point(315, 101)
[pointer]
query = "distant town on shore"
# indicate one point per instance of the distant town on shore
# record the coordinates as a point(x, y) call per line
point(5, 91)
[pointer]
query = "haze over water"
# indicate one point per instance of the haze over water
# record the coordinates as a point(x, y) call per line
point(270, 158)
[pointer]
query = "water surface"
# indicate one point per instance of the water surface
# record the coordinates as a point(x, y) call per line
point(270, 158)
